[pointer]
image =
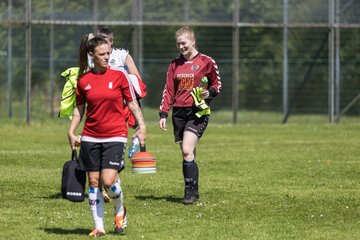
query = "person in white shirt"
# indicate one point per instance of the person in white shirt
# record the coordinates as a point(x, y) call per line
point(119, 57)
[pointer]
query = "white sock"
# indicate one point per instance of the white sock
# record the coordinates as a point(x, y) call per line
point(116, 194)
point(96, 203)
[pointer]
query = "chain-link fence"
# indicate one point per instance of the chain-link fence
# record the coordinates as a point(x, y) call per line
point(279, 56)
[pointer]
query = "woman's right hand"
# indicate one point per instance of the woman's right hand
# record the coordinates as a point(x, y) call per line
point(162, 124)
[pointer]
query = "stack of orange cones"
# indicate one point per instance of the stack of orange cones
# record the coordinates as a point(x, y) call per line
point(143, 162)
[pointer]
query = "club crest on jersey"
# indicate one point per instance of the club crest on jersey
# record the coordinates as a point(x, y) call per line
point(88, 87)
point(110, 85)
point(195, 67)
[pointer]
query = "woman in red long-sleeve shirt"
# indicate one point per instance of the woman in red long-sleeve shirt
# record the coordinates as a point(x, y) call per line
point(184, 74)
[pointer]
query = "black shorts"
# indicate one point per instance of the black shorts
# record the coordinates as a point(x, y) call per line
point(184, 119)
point(97, 156)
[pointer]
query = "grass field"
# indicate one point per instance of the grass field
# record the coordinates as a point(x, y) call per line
point(257, 181)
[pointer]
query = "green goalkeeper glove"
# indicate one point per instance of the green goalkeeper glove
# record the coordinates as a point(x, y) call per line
point(200, 104)
point(198, 100)
point(205, 112)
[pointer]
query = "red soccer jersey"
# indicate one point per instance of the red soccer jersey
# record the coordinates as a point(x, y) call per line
point(104, 95)
point(183, 75)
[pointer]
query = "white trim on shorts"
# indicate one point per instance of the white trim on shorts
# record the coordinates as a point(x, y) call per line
point(102, 140)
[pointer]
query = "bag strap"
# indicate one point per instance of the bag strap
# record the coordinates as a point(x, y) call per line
point(74, 154)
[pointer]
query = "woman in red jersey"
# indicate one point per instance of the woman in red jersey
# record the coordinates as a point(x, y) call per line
point(102, 92)
point(184, 77)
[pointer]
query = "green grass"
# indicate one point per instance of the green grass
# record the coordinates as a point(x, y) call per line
point(257, 181)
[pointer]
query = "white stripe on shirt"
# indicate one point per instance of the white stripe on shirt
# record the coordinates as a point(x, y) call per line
point(101, 140)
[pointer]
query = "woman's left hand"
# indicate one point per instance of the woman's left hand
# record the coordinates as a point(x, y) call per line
point(141, 134)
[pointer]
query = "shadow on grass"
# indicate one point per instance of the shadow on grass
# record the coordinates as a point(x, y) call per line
point(52, 196)
point(164, 198)
point(56, 196)
point(61, 231)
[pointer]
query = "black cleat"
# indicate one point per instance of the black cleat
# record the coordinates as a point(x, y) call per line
point(190, 198)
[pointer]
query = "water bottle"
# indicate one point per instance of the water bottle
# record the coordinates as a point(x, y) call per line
point(204, 83)
point(134, 147)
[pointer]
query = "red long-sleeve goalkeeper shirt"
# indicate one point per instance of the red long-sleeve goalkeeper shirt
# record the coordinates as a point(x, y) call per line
point(183, 75)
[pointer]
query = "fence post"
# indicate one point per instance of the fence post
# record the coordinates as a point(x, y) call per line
point(51, 60)
point(285, 59)
point(235, 60)
point(337, 62)
point(141, 40)
point(28, 61)
point(331, 62)
point(137, 19)
point(186, 10)
point(9, 60)
point(95, 14)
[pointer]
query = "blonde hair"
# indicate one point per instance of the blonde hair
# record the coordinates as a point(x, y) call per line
point(185, 30)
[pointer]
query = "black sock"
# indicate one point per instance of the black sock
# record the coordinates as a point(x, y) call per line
point(196, 178)
point(189, 174)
